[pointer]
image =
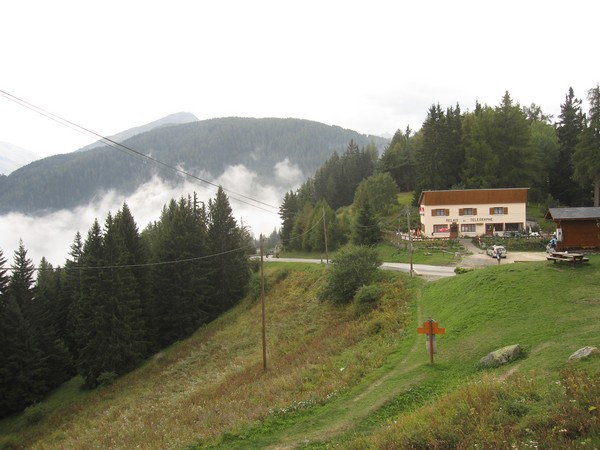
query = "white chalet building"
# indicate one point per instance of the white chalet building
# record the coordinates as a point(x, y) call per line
point(473, 212)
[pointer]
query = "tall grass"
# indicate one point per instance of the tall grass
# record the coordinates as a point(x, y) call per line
point(213, 383)
point(350, 377)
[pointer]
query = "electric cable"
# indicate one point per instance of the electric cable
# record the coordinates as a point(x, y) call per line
point(119, 146)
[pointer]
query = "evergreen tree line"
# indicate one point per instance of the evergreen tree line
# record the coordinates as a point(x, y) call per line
point(121, 296)
point(311, 218)
point(491, 147)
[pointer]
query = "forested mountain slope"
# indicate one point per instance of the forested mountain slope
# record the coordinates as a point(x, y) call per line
point(203, 148)
point(171, 119)
point(13, 157)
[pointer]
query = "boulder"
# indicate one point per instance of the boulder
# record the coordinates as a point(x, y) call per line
point(584, 352)
point(501, 356)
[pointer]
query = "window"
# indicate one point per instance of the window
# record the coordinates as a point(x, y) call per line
point(441, 228)
point(496, 210)
point(513, 227)
point(440, 212)
point(468, 228)
point(467, 212)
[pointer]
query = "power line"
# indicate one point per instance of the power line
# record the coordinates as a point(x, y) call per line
point(125, 266)
point(119, 146)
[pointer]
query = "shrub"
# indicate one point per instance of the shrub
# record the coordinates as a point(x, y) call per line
point(35, 413)
point(254, 264)
point(353, 267)
point(9, 442)
point(254, 287)
point(106, 379)
point(367, 297)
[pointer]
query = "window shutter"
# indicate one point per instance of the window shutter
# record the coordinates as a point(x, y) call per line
point(433, 212)
point(447, 212)
point(461, 212)
point(492, 211)
point(505, 210)
point(474, 211)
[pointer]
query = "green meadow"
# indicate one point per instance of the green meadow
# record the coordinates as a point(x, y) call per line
point(357, 376)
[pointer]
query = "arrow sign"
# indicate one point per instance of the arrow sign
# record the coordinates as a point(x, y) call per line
point(430, 328)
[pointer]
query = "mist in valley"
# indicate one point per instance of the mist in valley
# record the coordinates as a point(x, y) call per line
point(51, 235)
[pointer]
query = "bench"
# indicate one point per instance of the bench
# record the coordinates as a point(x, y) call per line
point(573, 258)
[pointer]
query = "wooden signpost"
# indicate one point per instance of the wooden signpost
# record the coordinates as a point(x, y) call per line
point(431, 328)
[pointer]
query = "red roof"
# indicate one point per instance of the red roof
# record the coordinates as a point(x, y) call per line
point(474, 196)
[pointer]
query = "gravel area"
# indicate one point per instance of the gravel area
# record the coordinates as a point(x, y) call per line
point(478, 257)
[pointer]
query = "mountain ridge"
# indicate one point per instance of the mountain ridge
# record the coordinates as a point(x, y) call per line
point(13, 157)
point(171, 119)
point(203, 148)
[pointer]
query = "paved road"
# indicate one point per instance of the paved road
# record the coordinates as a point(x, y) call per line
point(474, 258)
point(418, 269)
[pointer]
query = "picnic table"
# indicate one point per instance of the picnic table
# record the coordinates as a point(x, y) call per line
point(573, 258)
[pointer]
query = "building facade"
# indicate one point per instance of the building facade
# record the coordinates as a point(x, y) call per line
point(473, 212)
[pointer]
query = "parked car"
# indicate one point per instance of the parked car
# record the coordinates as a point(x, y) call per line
point(493, 250)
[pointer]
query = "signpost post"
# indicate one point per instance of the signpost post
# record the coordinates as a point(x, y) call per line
point(430, 328)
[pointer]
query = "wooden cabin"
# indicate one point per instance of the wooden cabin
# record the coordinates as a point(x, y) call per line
point(576, 228)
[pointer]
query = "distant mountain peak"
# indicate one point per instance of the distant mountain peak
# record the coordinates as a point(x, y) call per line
point(13, 157)
point(172, 119)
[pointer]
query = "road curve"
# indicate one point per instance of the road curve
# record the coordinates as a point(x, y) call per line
point(424, 270)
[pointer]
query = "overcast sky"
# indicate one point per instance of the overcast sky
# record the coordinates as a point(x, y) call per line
point(373, 67)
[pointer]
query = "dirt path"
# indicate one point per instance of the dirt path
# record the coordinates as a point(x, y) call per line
point(347, 413)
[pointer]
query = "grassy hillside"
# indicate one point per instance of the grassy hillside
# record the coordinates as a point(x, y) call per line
point(338, 377)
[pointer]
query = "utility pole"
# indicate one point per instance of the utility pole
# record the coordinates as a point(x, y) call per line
point(325, 234)
point(262, 300)
point(410, 246)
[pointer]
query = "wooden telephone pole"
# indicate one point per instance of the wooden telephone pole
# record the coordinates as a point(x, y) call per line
point(262, 301)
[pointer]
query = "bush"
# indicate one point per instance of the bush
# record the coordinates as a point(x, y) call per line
point(353, 267)
point(106, 379)
point(254, 264)
point(368, 296)
point(254, 290)
point(9, 442)
point(35, 413)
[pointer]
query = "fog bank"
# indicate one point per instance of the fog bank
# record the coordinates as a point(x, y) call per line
point(51, 235)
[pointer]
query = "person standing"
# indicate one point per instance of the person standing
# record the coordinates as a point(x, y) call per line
point(552, 245)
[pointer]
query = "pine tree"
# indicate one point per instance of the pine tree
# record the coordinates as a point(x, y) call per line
point(3, 275)
point(19, 375)
point(70, 296)
point(586, 158)
point(570, 125)
point(22, 369)
point(366, 230)
point(510, 142)
point(482, 164)
point(398, 160)
point(57, 364)
point(92, 325)
point(287, 213)
point(21, 282)
point(430, 157)
point(302, 222)
point(230, 271)
point(125, 333)
point(322, 230)
point(180, 290)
